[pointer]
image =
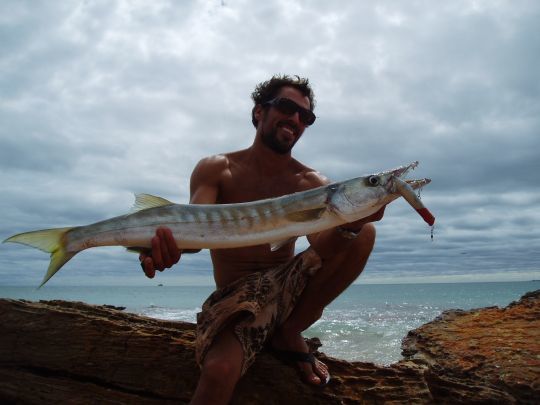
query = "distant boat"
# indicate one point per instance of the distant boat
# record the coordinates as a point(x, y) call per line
point(160, 285)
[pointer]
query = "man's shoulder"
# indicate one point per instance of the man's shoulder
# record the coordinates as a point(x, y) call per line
point(214, 161)
point(217, 168)
point(210, 170)
point(310, 178)
point(221, 160)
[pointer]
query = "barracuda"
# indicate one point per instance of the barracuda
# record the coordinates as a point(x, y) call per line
point(272, 221)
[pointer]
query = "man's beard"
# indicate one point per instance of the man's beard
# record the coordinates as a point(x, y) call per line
point(270, 139)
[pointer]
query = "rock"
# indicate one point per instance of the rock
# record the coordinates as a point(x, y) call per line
point(58, 351)
point(485, 355)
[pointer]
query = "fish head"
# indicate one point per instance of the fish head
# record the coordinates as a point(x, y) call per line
point(366, 195)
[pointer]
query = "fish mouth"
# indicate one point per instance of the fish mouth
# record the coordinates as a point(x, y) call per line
point(400, 173)
point(403, 170)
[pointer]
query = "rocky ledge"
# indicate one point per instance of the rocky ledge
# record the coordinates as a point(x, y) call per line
point(57, 352)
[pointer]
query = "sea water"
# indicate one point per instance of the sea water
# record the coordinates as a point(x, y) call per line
point(366, 323)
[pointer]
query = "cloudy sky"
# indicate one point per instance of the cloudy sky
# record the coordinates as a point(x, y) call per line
point(101, 99)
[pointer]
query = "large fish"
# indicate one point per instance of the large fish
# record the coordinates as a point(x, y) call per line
point(194, 226)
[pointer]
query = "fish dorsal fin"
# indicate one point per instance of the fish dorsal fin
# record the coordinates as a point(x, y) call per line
point(305, 216)
point(145, 201)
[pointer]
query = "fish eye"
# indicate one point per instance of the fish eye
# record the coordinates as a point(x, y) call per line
point(373, 180)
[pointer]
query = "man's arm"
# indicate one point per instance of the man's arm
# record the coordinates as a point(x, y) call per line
point(204, 189)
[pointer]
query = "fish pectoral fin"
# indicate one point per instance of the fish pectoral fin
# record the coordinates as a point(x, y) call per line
point(145, 201)
point(305, 216)
point(280, 243)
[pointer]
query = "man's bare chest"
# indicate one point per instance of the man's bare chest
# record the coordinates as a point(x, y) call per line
point(252, 189)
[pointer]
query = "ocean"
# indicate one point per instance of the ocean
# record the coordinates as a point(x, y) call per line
point(366, 323)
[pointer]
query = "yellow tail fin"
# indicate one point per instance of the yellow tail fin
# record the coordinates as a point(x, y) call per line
point(50, 241)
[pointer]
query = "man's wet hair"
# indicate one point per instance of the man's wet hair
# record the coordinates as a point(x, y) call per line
point(269, 89)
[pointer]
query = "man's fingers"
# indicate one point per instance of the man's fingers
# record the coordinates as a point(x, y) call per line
point(164, 246)
point(156, 254)
point(148, 267)
point(172, 250)
point(163, 253)
point(379, 214)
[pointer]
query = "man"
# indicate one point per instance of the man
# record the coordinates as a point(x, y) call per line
point(264, 297)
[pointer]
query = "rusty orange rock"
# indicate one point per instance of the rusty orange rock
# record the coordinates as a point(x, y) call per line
point(495, 351)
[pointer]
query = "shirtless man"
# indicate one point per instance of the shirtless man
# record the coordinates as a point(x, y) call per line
point(283, 109)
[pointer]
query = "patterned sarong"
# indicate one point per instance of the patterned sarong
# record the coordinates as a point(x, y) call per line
point(257, 303)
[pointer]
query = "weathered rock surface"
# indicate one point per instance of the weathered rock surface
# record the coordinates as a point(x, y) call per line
point(486, 355)
point(57, 351)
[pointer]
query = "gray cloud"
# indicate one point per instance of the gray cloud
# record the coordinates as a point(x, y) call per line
point(103, 99)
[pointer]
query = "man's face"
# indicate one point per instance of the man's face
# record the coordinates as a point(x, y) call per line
point(280, 131)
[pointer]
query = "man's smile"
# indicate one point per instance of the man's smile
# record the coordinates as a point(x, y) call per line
point(288, 128)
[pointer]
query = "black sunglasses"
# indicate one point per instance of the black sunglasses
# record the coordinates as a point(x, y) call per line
point(289, 107)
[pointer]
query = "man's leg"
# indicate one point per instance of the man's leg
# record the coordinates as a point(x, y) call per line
point(336, 274)
point(220, 370)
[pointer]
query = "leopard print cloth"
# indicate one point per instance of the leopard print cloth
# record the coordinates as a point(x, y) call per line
point(257, 303)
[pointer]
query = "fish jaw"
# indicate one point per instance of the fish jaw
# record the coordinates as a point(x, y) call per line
point(417, 183)
point(400, 171)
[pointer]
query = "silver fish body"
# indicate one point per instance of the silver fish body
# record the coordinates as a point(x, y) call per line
point(229, 225)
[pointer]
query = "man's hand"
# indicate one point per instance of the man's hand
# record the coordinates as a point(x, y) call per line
point(163, 255)
point(357, 225)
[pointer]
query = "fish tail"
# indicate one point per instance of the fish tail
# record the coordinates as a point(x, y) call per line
point(48, 240)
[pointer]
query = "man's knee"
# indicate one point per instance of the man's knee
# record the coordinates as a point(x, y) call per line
point(359, 251)
point(222, 370)
point(364, 242)
point(367, 236)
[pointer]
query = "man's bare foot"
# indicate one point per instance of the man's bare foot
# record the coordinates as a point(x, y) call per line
point(295, 349)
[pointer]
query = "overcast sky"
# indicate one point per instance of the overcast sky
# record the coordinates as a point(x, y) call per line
point(101, 99)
